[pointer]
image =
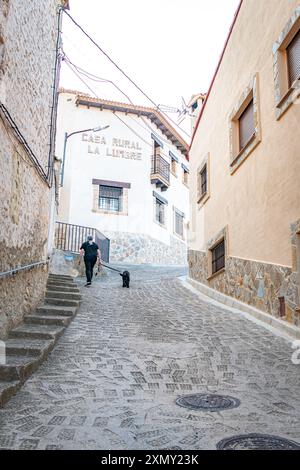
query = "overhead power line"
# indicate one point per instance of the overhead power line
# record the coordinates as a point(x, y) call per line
point(121, 70)
point(77, 74)
point(148, 128)
point(80, 71)
point(6, 117)
point(95, 78)
point(121, 120)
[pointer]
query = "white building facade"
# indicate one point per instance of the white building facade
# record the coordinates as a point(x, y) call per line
point(129, 181)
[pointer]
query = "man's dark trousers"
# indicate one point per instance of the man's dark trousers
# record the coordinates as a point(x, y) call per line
point(89, 266)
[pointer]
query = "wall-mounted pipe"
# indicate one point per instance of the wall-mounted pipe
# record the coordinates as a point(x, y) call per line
point(13, 271)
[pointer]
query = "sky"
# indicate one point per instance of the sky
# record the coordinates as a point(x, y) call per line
point(170, 48)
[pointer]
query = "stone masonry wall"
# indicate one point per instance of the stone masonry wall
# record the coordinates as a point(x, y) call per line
point(257, 284)
point(137, 248)
point(29, 32)
point(27, 56)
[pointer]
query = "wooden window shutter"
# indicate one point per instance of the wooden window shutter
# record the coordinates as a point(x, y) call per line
point(246, 125)
point(293, 59)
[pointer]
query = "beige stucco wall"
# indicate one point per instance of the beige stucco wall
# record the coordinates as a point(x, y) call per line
point(262, 198)
point(27, 56)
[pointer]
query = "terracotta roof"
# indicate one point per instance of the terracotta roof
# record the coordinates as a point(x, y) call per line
point(216, 71)
point(153, 114)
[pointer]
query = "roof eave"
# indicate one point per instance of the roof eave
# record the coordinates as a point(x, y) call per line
point(152, 114)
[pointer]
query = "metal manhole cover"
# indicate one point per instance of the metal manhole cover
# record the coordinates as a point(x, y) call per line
point(257, 442)
point(207, 402)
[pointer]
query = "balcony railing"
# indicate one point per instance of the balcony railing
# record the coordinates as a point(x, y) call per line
point(160, 172)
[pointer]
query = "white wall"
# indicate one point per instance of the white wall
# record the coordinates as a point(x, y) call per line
point(76, 197)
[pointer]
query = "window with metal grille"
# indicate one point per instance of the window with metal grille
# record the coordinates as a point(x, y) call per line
point(246, 125)
point(179, 224)
point(110, 198)
point(203, 180)
point(159, 212)
point(293, 59)
point(218, 257)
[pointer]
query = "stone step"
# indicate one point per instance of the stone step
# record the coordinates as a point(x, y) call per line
point(62, 302)
point(19, 367)
point(57, 310)
point(62, 295)
point(37, 331)
point(60, 277)
point(28, 346)
point(7, 390)
point(58, 320)
point(30, 343)
point(61, 283)
point(62, 288)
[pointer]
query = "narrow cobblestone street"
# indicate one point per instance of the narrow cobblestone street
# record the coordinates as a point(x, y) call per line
point(114, 376)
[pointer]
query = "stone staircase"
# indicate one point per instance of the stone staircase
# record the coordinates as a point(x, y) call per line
point(29, 344)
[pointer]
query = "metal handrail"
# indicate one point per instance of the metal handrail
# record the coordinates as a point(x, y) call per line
point(13, 271)
point(69, 237)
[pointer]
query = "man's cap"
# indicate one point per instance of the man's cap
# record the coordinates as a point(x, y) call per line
point(90, 237)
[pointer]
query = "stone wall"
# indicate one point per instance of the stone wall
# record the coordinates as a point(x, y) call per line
point(254, 283)
point(29, 31)
point(136, 248)
point(27, 56)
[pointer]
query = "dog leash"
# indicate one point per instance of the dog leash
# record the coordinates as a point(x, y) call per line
point(105, 265)
point(113, 269)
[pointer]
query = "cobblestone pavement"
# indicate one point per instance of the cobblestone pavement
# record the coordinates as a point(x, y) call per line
point(112, 380)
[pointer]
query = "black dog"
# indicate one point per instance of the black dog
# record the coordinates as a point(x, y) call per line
point(126, 278)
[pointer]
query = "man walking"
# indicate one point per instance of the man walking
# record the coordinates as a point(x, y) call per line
point(90, 250)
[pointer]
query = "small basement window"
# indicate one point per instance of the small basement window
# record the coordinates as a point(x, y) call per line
point(281, 306)
point(218, 257)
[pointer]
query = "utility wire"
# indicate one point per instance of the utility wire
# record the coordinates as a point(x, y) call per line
point(121, 70)
point(94, 77)
point(21, 139)
point(118, 117)
point(14, 145)
point(136, 133)
point(80, 78)
point(101, 80)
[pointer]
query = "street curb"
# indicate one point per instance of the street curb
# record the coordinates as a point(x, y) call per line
point(274, 325)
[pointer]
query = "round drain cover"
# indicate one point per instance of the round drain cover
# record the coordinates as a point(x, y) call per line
point(207, 402)
point(257, 442)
